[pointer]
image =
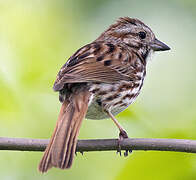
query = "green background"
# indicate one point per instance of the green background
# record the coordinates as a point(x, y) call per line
point(36, 39)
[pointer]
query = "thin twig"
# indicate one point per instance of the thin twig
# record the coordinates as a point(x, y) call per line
point(178, 145)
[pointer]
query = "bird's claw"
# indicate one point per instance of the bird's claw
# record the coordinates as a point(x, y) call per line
point(122, 135)
point(126, 153)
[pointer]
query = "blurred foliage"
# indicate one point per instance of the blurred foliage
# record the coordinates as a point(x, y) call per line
point(36, 39)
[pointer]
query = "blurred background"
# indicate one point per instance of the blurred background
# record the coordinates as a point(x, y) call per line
point(36, 39)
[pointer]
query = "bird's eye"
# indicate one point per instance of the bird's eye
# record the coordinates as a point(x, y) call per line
point(142, 35)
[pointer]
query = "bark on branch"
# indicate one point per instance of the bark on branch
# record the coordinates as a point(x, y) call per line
point(178, 145)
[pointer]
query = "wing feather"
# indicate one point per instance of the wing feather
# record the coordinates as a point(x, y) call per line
point(84, 66)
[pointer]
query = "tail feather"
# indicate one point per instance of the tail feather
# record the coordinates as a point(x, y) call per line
point(61, 148)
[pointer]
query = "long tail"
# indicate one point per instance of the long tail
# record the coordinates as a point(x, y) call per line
point(61, 148)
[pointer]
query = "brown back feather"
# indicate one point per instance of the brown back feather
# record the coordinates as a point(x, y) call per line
point(104, 68)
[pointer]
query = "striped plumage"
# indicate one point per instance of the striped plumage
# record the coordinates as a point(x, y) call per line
point(100, 80)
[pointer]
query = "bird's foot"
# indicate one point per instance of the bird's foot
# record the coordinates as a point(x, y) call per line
point(122, 135)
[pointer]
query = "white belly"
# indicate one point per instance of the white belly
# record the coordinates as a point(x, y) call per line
point(124, 96)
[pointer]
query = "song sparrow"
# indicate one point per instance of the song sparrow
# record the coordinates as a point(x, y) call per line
point(99, 81)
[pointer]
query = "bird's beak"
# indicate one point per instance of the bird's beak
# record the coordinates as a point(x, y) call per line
point(159, 46)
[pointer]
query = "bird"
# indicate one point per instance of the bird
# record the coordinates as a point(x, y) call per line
point(99, 81)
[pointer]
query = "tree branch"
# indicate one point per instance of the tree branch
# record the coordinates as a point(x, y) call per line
point(178, 145)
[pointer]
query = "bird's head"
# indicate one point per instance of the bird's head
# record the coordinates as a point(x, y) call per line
point(133, 33)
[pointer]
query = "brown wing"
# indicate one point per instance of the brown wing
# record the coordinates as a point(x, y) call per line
point(97, 62)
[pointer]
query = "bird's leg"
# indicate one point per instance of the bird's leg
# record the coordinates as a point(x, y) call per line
point(122, 134)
